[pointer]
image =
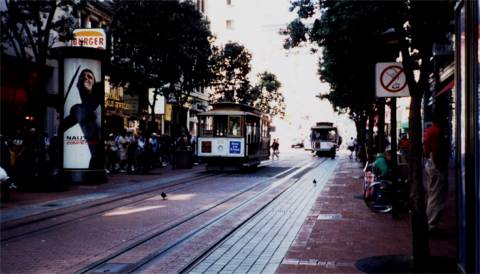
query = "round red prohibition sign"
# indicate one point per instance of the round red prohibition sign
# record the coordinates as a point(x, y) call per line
point(390, 79)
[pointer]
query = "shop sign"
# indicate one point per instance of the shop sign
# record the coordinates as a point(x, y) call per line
point(117, 105)
point(168, 112)
point(89, 38)
point(132, 104)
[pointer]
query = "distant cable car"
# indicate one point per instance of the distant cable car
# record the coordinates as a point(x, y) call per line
point(324, 139)
point(233, 134)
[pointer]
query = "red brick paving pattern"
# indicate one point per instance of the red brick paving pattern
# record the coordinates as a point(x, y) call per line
point(333, 246)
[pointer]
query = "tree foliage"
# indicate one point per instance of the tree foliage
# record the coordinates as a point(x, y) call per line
point(351, 35)
point(29, 29)
point(270, 99)
point(348, 34)
point(231, 65)
point(163, 45)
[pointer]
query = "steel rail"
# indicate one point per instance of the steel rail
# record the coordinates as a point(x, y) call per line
point(147, 193)
point(156, 254)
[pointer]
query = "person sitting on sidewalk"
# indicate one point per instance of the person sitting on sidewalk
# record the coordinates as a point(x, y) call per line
point(382, 163)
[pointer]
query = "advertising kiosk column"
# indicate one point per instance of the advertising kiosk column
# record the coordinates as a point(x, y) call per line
point(81, 77)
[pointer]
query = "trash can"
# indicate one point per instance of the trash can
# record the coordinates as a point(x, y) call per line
point(183, 157)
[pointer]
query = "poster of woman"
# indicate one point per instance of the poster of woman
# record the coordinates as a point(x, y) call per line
point(81, 124)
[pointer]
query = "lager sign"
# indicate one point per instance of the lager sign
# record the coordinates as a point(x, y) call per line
point(90, 38)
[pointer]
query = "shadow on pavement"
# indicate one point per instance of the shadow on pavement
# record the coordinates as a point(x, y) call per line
point(404, 264)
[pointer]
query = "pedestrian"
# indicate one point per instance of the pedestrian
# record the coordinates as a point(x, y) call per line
point(122, 144)
point(111, 154)
point(403, 147)
point(131, 151)
point(155, 149)
point(275, 148)
point(351, 146)
point(54, 154)
point(436, 153)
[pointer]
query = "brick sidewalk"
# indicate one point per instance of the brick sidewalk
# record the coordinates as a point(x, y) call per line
point(340, 230)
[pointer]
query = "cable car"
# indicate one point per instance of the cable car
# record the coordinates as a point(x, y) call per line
point(324, 138)
point(233, 134)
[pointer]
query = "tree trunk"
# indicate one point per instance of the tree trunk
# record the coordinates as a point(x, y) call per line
point(370, 141)
point(381, 124)
point(361, 138)
point(420, 242)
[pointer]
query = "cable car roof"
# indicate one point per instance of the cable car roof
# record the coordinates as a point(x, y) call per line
point(228, 112)
point(324, 127)
point(227, 108)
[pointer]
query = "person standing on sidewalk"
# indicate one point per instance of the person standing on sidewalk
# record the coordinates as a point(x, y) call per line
point(351, 146)
point(436, 152)
point(275, 147)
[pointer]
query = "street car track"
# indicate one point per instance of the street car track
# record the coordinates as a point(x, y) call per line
point(19, 229)
point(99, 265)
point(106, 204)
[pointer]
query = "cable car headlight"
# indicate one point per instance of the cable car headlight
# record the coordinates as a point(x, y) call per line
point(220, 148)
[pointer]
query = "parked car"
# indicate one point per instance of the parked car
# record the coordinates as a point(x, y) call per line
point(297, 143)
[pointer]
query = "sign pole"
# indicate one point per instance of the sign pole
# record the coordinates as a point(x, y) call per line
point(393, 147)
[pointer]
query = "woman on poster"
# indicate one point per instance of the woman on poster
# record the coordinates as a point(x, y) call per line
point(88, 115)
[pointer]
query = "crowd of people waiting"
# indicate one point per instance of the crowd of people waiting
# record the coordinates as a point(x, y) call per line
point(140, 152)
point(30, 156)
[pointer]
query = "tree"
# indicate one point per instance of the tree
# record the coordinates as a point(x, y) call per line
point(348, 31)
point(29, 29)
point(269, 98)
point(163, 45)
point(417, 37)
point(347, 35)
point(231, 65)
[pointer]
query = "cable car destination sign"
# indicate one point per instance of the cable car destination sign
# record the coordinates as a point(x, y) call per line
point(390, 80)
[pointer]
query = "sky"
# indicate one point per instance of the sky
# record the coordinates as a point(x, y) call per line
point(256, 25)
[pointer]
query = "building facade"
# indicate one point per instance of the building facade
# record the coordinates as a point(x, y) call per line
point(467, 133)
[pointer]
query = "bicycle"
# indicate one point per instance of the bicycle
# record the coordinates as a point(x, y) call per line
point(380, 194)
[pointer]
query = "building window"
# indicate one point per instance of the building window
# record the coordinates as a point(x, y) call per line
point(201, 5)
point(229, 24)
point(94, 23)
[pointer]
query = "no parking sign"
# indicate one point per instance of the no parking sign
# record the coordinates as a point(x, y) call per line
point(390, 80)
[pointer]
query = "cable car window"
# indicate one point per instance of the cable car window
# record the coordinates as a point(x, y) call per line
point(331, 135)
point(234, 128)
point(206, 126)
point(220, 126)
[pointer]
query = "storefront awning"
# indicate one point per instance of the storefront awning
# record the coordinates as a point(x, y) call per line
point(448, 87)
